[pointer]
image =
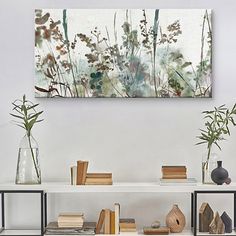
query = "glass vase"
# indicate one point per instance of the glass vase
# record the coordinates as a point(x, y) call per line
point(208, 165)
point(28, 168)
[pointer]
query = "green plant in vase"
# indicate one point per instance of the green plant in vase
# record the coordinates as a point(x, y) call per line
point(217, 126)
point(26, 116)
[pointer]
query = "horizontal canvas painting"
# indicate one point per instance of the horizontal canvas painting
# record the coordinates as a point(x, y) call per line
point(127, 53)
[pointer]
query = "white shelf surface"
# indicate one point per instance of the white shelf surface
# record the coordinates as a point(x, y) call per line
point(122, 187)
point(20, 232)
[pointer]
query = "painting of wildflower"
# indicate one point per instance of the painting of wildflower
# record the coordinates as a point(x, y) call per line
point(123, 53)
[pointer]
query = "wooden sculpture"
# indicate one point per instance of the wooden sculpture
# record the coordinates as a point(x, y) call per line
point(227, 222)
point(206, 216)
point(175, 220)
point(217, 226)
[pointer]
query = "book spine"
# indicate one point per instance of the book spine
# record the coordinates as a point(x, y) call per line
point(112, 222)
point(107, 221)
point(80, 169)
point(85, 169)
point(117, 218)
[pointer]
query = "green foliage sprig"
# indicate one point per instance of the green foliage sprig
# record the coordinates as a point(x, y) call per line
point(26, 114)
point(217, 125)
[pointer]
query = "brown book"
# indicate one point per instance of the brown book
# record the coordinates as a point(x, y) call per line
point(82, 167)
point(174, 168)
point(127, 220)
point(174, 172)
point(107, 221)
point(100, 222)
point(98, 181)
point(174, 177)
point(128, 230)
point(156, 231)
point(112, 222)
point(85, 172)
point(99, 175)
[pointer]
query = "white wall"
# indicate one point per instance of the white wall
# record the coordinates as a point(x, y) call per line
point(132, 138)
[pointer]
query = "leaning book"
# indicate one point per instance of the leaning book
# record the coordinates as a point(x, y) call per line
point(87, 229)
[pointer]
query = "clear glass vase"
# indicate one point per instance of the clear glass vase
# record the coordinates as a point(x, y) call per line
point(208, 165)
point(28, 168)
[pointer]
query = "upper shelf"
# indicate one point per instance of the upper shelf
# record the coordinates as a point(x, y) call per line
point(122, 187)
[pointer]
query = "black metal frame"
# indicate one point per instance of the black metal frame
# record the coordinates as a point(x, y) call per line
point(41, 192)
point(194, 206)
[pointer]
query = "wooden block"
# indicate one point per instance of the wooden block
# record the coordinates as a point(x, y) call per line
point(206, 216)
point(227, 222)
point(156, 231)
point(217, 226)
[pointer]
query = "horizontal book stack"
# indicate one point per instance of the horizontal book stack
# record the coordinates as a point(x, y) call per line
point(127, 225)
point(70, 220)
point(87, 229)
point(108, 222)
point(174, 172)
point(98, 178)
point(79, 176)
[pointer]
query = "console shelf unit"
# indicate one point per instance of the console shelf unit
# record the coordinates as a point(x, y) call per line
point(122, 187)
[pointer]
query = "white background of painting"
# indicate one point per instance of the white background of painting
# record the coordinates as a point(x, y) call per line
point(132, 138)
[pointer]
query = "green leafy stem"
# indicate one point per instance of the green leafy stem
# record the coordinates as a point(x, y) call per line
point(27, 116)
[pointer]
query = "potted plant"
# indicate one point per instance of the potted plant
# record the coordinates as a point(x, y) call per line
point(217, 124)
point(28, 168)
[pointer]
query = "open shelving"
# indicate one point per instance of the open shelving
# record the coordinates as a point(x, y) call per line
point(121, 187)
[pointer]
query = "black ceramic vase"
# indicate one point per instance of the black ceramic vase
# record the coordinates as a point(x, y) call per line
point(219, 175)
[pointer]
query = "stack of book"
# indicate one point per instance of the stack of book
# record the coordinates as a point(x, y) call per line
point(79, 176)
point(127, 225)
point(98, 178)
point(108, 222)
point(87, 229)
point(70, 220)
point(174, 172)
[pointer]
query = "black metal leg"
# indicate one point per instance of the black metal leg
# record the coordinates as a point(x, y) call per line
point(195, 214)
point(3, 210)
point(45, 210)
point(42, 213)
point(234, 210)
point(192, 214)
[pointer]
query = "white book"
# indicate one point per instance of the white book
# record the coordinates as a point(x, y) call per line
point(183, 182)
point(73, 175)
point(117, 218)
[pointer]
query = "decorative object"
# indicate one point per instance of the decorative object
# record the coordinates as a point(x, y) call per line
point(217, 124)
point(127, 53)
point(156, 224)
point(175, 220)
point(28, 168)
point(206, 216)
point(228, 181)
point(217, 225)
point(156, 231)
point(219, 175)
point(227, 222)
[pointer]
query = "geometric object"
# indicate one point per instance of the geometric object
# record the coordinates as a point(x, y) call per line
point(206, 216)
point(219, 175)
point(126, 53)
point(175, 220)
point(217, 226)
point(156, 224)
point(156, 231)
point(227, 222)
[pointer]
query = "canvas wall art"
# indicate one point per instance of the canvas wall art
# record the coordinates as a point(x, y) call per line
point(123, 53)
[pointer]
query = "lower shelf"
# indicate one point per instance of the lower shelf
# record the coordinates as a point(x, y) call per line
point(199, 233)
point(20, 232)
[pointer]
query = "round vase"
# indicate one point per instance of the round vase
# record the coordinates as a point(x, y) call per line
point(175, 220)
point(219, 175)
